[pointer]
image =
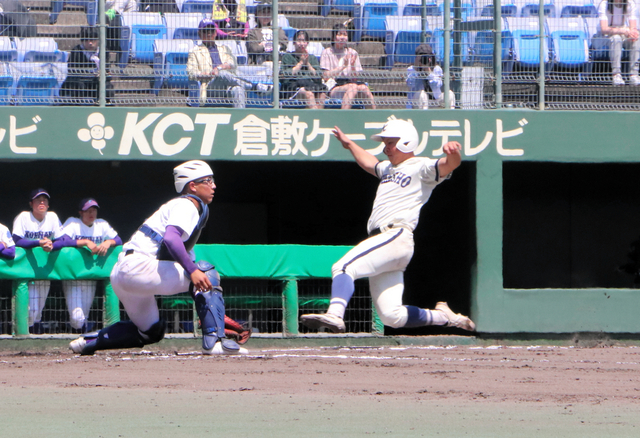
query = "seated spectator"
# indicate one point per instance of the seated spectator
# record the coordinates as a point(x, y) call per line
point(214, 66)
point(97, 236)
point(424, 76)
point(7, 245)
point(341, 65)
point(83, 80)
point(113, 10)
point(260, 39)
point(617, 19)
point(302, 76)
point(38, 227)
point(236, 24)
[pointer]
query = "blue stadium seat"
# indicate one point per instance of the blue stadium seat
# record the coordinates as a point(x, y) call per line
point(403, 35)
point(483, 45)
point(90, 8)
point(170, 63)
point(530, 8)
point(436, 26)
point(8, 51)
point(182, 26)
point(340, 5)
point(200, 6)
point(416, 9)
point(6, 89)
point(526, 43)
point(373, 16)
point(598, 44)
point(508, 10)
point(139, 31)
point(579, 10)
point(466, 10)
point(569, 42)
point(39, 50)
point(36, 90)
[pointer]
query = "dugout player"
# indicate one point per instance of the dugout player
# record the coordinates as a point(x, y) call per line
point(158, 260)
point(7, 245)
point(97, 236)
point(38, 227)
point(406, 183)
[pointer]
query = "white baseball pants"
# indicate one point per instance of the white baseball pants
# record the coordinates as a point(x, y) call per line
point(38, 292)
point(383, 258)
point(136, 280)
point(79, 295)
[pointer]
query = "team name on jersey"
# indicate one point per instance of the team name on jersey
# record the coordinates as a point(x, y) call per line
point(399, 178)
point(37, 235)
point(93, 239)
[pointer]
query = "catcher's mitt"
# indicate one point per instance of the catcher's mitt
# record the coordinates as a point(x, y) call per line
point(237, 332)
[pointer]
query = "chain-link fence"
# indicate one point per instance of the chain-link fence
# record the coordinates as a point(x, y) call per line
point(331, 53)
point(255, 304)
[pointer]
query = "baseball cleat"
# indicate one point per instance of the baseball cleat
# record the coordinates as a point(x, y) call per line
point(77, 345)
point(456, 319)
point(326, 320)
point(219, 349)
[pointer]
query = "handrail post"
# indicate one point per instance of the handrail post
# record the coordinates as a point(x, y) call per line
point(290, 308)
point(447, 47)
point(541, 91)
point(102, 99)
point(276, 55)
point(497, 52)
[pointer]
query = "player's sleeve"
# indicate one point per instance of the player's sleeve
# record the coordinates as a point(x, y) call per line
point(602, 11)
point(56, 226)
point(18, 226)
point(430, 172)
point(184, 215)
point(173, 241)
point(381, 166)
point(109, 232)
point(69, 228)
point(7, 245)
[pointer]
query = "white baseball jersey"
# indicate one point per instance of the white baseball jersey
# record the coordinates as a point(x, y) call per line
point(97, 233)
point(27, 226)
point(5, 237)
point(402, 192)
point(179, 212)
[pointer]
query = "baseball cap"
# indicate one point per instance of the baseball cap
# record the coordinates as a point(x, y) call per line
point(263, 7)
point(87, 203)
point(403, 130)
point(37, 192)
point(207, 22)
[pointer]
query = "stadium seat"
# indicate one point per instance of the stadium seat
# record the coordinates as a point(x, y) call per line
point(525, 33)
point(466, 10)
point(569, 40)
point(39, 50)
point(403, 35)
point(373, 16)
point(139, 31)
point(90, 8)
point(436, 26)
point(340, 5)
point(39, 83)
point(252, 73)
point(598, 44)
point(528, 8)
point(182, 26)
point(170, 63)
point(483, 45)
point(579, 10)
point(283, 23)
point(6, 89)
point(416, 9)
point(8, 51)
point(238, 48)
point(199, 6)
point(507, 10)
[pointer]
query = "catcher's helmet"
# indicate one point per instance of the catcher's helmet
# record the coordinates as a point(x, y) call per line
point(190, 171)
point(404, 131)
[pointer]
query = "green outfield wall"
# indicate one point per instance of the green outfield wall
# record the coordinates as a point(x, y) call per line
point(489, 138)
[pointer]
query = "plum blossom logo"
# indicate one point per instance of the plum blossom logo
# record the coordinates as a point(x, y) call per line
point(97, 133)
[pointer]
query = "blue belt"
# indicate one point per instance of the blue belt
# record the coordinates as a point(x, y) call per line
point(147, 231)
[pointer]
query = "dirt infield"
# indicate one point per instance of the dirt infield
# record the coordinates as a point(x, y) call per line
point(471, 391)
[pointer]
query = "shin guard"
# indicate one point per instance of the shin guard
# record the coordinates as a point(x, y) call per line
point(210, 309)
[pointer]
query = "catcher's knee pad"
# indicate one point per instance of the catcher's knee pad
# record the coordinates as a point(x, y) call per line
point(155, 333)
point(210, 308)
